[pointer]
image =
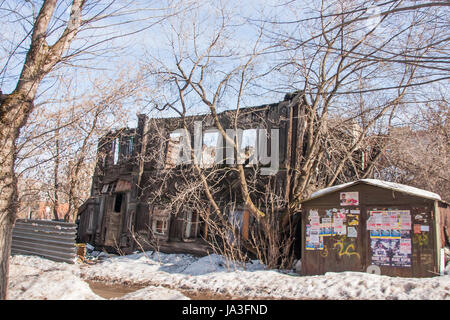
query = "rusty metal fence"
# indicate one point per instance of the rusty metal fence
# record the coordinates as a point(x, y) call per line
point(53, 240)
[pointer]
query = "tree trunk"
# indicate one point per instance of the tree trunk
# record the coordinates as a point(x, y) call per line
point(8, 200)
point(15, 109)
point(6, 226)
point(56, 177)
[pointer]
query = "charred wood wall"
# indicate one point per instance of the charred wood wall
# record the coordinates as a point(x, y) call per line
point(137, 156)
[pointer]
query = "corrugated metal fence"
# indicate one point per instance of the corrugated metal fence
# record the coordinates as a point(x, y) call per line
point(53, 240)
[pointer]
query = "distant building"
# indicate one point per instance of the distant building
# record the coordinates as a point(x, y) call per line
point(43, 210)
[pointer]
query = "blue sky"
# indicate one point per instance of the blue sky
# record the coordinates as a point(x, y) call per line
point(131, 52)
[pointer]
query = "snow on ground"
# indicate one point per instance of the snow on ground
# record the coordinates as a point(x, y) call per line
point(212, 274)
point(34, 278)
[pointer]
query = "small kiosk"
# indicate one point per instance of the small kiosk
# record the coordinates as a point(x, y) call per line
point(374, 226)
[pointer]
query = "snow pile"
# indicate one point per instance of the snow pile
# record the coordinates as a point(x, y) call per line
point(346, 285)
point(165, 274)
point(382, 184)
point(217, 263)
point(31, 278)
point(211, 274)
point(154, 293)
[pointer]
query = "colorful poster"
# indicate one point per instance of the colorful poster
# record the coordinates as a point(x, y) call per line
point(401, 257)
point(315, 223)
point(352, 219)
point(388, 224)
point(385, 221)
point(375, 234)
point(352, 232)
point(326, 227)
point(371, 225)
point(314, 236)
point(378, 220)
point(313, 240)
point(405, 246)
point(338, 227)
point(394, 252)
point(340, 230)
point(340, 215)
point(374, 223)
point(385, 234)
point(380, 252)
point(405, 220)
point(394, 220)
point(313, 213)
point(396, 234)
point(312, 246)
point(349, 198)
point(417, 228)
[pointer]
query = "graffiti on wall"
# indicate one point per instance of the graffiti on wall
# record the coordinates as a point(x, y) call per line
point(345, 248)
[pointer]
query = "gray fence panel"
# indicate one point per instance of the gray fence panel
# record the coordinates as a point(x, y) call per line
point(53, 240)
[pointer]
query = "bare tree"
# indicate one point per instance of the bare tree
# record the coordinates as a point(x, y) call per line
point(418, 154)
point(352, 79)
point(51, 28)
point(15, 109)
point(213, 72)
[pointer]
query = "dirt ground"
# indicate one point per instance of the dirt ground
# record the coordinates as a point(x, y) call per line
point(109, 291)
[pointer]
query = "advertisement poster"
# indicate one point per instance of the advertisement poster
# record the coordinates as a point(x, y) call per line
point(380, 252)
point(313, 213)
point(394, 220)
point(396, 234)
point(371, 225)
point(385, 234)
point(386, 221)
point(338, 227)
point(405, 246)
point(401, 253)
point(352, 233)
point(349, 198)
point(339, 214)
point(417, 228)
point(315, 223)
point(388, 224)
point(375, 234)
point(405, 220)
point(326, 227)
point(394, 252)
point(312, 246)
point(313, 239)
point(353, 219)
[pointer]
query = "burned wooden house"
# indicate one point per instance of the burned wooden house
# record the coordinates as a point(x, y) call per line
point(141, 172)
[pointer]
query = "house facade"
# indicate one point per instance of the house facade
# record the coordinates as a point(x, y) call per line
point(142, 171)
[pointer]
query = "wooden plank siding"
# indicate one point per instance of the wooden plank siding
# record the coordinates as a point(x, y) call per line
point(342, 253)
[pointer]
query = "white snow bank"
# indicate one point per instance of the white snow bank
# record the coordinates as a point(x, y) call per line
point(36, 278)
point(217, 263)
point(210, 274)
point(31, 278)
point(382, 184)
point(154, 293)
